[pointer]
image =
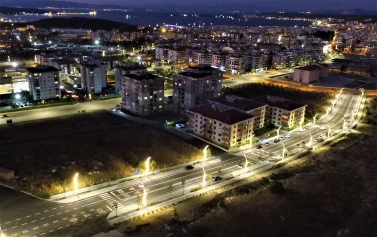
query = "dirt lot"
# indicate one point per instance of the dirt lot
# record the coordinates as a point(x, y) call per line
point(331, 193)
point(46, 154)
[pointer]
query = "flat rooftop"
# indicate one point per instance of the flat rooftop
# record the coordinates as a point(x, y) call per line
point(221, 113)
point(279, 102)
point(239, 102)
point(39, 69)
point(142, 77)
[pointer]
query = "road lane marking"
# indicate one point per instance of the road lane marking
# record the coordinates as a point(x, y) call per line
point(60, 228)
point(54, 208)
point(43, 218)
point(50, 215)
point(51, 231)
point(24, 223)
point(46, 211)
point(67, 225)
point(28, 216)
point(36, 228)
point(14, 227)
point(34, 221)
point(18, 219)
point(37, 213)
point(109, 208)
point(42, 233)
point(67, 211)
point(75, 208)
point(59, 213)
point(7, 222)
point(61, 206)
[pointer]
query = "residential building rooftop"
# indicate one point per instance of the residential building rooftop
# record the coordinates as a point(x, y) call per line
point(279, 102)
point(142, 77)
point(221, 113)
point(42, 68)
point(239, 102)
point(310, 68)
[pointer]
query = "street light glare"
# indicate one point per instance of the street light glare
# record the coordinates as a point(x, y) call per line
point(14, 64)
point(18, 96)
point(75, 182)
point(147, 166)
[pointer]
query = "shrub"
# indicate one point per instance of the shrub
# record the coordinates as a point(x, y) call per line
point(196, 188)
point(276, 187)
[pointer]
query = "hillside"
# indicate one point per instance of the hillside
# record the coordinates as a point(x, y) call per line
point(80, 23)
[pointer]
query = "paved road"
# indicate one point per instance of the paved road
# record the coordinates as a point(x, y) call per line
point(33, 217)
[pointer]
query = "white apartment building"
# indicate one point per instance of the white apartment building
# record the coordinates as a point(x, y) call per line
point(162, 52)
point(143, 94)
point(223, 125)
point(254, 108)
point(195, 87)
point(93, 77)
point(218, 60)
point(256, 62)
point(310, 73)
point(200, 57)
point(178, 55)
point(129, 68)
point(282, 112)
point(235, 64)
point(44, 82)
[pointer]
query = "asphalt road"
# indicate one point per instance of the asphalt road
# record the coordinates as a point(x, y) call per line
point(20, 213)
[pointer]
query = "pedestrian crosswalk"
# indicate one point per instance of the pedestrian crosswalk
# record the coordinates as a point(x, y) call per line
point(110, 199)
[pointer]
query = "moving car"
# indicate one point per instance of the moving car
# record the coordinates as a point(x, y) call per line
point(277, 140)
point(259, 147)
point(189, 167)
point(5, 115)
point(288, 135)
point(217, 178)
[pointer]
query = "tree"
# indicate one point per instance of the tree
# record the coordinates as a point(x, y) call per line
point(153, 164)
point(209, 152)
point(276, 187)
point(170, 188)
point(138, 199)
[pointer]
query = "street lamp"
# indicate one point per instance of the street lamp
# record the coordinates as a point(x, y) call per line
point(332, 105)
point(144, 196)
point(314, 118)
point(75, 183)
point(277, 132)
point(327, 113)
point(205, 154)
point(251, 140)
point(301, 124)
point(245, 163)
point(147, 166)
point(283, 155)
point(344, 124)
point(204, 177)
point(14, 64)
point(328, 131)
point(310, 139)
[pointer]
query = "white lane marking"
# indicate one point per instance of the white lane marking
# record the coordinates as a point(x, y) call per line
point(59, 213)
point(67, 225)
point(51, 230)
point(83, 220)
point(42, 218)
point(18, 219)
point(42, 233)
point(14, 227)
point(7, 222)
point(67, 211)
point(46, 211)
point(90, 217)
point(54, 208)
point(28, 216)
point(60, 228)
point(37, 213)
point(75, 208)
point(24, 223)
point(61, 206)
point(50, 215)
point(34, 221)
point(109, 208)
point(36, 228)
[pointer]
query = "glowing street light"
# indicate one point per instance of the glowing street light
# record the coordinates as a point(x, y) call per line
point(332, 105)
point(327, 113)
point(277, 132)
point(301, 124)
point(310, 139)
point(344, 124)
point(205, 154)
point(204, 177)
point(283, 155)
point(14, 64)
point(251, 140)
point(328, 131)
point(1, 233)
point(362, 92)
point(144, 196)
point(147, 166)
point(75, 183)
point(314, 118)
point(245, 163)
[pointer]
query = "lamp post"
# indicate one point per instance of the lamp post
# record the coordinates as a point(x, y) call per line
point(283, 155)
point(344, 124)
point(205, 154)
point(300, 124)
point(147, 166)
point(328, 131)
point(314, 118)
point(310, 139)
point(251, 140)
point(245, 163)
point(332, 105)
point(144, 196)
point(327, 113)
point(204, 177)
point(277, 132)
point(75, 183)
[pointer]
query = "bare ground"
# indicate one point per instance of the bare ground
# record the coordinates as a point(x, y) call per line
point(330, 193)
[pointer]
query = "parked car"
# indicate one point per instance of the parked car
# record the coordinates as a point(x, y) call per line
point(277, 140)
point(189, 167)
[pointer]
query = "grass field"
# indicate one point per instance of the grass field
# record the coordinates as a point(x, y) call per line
point(46, 154)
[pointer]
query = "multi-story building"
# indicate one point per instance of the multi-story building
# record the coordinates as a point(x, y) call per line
point(44, 82)
point(223, 125)
point(128, 68)
point(66, 66)
point(310, 73)
point(256, 62)
point(142, 94)
point(195, 87)
point(234, 63)
point(254, 108)
point(282, 112)
point(200, 57)
point(162, 52)
point(93, 77)
point(218, 60)
point(178, 55)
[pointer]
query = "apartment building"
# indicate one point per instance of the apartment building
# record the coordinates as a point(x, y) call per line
point(65, 66)
point(178, 55)
point(223, 125)
point(200, 57)
point(44, 82)
point(142, 94)
point(254, 108)
point(282, 112)
point(93, 77)
point(256, 62)
point(162, 52)
point(310, 73)
point(195, 87)
point(235, 63)
point(218, 60)
point(128, 68)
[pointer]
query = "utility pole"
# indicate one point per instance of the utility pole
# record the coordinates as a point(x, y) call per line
point(183, 186)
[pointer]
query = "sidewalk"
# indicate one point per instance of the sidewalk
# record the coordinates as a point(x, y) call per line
point(95, 190)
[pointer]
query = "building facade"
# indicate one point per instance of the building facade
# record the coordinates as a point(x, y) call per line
point(195, 87)
point(310, 73)
point(142, 94)
point(44, 82)
point(93, 77)
point(129, 68)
